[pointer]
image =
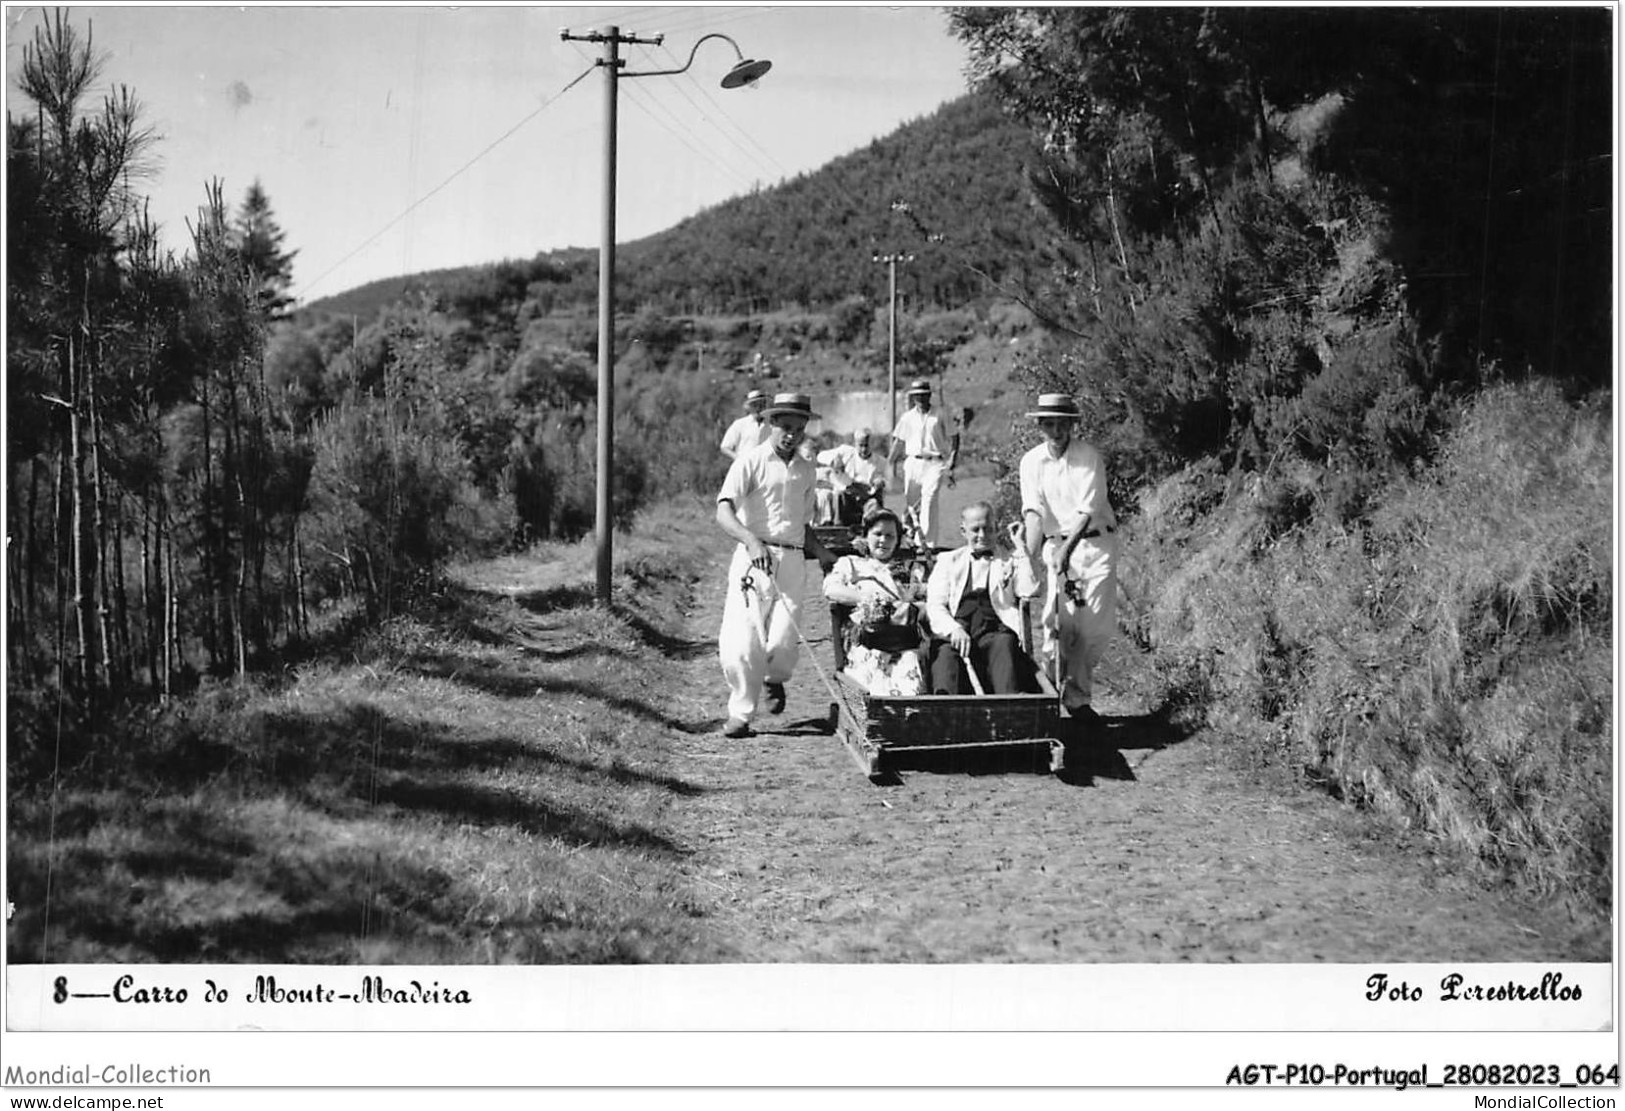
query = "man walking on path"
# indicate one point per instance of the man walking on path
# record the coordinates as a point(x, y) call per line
point(1069, 518)
point(749, 430)
point(766, 503)
point(973, 604)
point(929, 449)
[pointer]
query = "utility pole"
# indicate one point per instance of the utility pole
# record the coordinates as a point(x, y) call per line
point(891, 261)
point(746, 72)
point(605, 517)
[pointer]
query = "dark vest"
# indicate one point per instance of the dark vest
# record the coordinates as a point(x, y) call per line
point(976, 613)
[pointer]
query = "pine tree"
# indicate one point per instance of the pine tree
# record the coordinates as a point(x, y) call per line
point(258, 239)
point(75, 200)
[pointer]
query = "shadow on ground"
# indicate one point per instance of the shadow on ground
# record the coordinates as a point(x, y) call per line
point(556, 599)
point(1095, 750)
point(1092, 752)
point(183, 883)
point(673, 648)
point(1030, 759)
point(383, 822)
point(273, 842)
point(512, 683)
point(114, 904)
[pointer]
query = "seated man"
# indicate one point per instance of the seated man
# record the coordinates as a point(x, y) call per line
point(856, 475)
point(972, 604)
point(824, 490)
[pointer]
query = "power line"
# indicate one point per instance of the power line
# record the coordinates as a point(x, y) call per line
point(705, 19)
point(1026, 298)
point(646, 102)
point(759, 152)
point(489, 147)
point(621, 16)
point(709, 154)
point(721, 111)
point(749, 156)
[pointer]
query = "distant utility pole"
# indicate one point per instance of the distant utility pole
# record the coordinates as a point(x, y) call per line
point(891, 262)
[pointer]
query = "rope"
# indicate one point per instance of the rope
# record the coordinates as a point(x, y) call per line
point(747, 584)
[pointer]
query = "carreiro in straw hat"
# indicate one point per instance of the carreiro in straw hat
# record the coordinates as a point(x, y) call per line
point(766, 505)
point(929, 448)
point(794, 404)
point(749, 430)
point(1070, 519)
point(1055, 405)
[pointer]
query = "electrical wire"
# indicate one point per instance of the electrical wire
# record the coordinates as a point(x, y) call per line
point(706, 19)
point(647, 103)
point(760, 152)
point(464, 168)
point(678, 129)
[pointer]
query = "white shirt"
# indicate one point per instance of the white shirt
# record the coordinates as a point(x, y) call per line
point(1008, 579)
point(923, 434)
point(855, 572)
point(771, 498)
point(846, 466)
point(744, 434)
point(978, 574)
point(1062, 488)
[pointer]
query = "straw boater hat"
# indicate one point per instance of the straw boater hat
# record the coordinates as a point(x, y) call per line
point(919, 385)
point(798, 404)
point(1055, 405)
point(754, 397)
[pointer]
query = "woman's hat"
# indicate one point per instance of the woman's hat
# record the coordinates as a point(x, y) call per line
point(798, 404)
point(1055, 405)
point(919, 385)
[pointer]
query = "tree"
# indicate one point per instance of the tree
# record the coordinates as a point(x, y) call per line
point(80, 199)
point(1257, 207)
point(259, 240)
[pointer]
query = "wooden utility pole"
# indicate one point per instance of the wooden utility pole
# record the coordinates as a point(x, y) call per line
point(891, 261)
point(745, 73)
point(605, 510)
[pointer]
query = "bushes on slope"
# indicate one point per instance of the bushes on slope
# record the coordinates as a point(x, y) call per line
point(1446, 660)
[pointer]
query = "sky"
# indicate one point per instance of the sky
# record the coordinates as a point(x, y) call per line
point(392, 140)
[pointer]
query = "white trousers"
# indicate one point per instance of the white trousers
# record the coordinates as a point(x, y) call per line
point(922, 490)
point(824, 506)
point(1077, 633)
point(750, 658)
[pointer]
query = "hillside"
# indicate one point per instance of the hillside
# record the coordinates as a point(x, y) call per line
point(809, 242)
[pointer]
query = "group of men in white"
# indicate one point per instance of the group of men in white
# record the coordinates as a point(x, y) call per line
point(1063, 548)
point(852, 479)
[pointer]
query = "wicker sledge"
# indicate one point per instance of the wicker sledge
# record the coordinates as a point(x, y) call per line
point(884, 733)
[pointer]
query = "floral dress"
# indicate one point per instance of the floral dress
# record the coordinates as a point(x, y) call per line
point(882, 639)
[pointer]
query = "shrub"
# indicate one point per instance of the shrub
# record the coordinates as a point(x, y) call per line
point(1447, 661)
point(392, 496)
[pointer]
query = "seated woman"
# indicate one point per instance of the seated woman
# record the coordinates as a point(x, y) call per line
point(884, 635)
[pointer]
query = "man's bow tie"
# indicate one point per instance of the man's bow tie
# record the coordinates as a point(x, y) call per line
point(981, 555)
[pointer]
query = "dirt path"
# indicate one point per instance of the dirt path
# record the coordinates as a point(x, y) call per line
point(1158, 852)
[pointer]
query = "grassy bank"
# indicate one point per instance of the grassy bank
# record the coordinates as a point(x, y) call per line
point(483, 780)
point(1446, 660)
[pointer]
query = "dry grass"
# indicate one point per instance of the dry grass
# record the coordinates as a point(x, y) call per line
point(1448, 663)
point(482, 781)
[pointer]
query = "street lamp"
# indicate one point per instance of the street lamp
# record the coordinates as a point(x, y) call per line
point(745, 72)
